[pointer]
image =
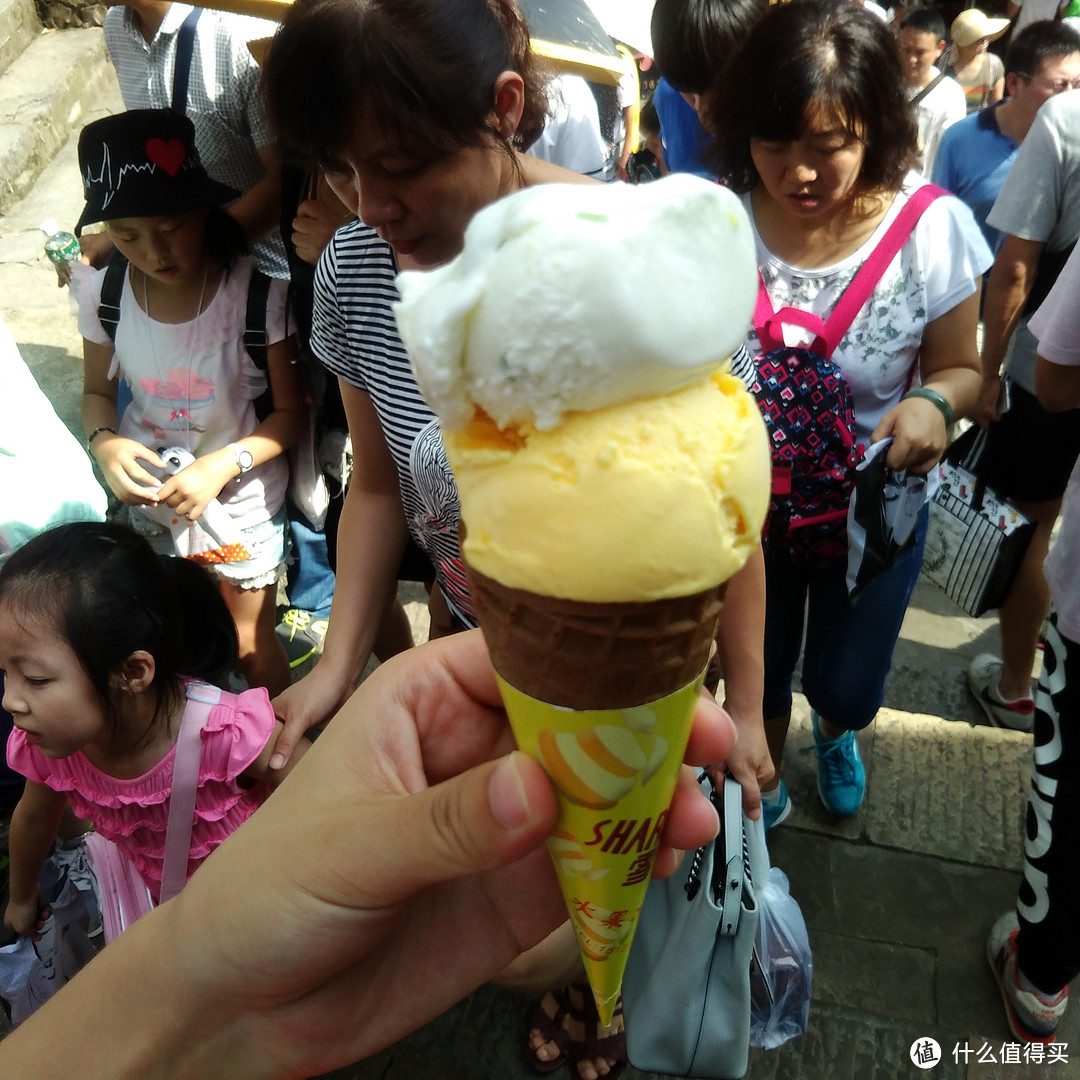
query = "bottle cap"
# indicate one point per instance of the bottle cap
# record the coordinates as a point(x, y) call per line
point(50, 226)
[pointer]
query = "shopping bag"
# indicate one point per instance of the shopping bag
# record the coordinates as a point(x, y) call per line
point(783, 969)
point(882, 517)
point(975, 540)
point(31, 971)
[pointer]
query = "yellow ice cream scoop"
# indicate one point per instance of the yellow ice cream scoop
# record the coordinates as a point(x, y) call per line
point(661, 497)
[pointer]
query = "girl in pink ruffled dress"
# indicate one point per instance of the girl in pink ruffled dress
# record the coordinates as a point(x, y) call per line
point(103, 645)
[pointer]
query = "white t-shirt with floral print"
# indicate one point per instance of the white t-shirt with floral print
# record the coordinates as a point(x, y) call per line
point(193, 384)
point(935, 270)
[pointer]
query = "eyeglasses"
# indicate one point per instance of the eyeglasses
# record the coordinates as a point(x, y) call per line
point(1058, 87)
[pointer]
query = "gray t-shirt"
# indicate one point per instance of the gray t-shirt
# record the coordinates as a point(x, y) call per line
point(1040, 200)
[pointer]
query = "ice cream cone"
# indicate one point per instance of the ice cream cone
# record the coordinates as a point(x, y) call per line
point(603, 452)
point(602, 695)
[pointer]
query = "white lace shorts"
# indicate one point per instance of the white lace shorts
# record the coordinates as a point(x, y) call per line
point(268, 542)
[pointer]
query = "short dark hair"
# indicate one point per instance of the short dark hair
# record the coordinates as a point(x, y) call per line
point(426, 69)
point(831, 54)
point(926, 20)
point(1038, 42)
point(108, 594)
point(693, 39)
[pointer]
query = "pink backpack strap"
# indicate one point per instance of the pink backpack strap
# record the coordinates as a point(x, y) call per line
point(201, 698)
point(831, 333)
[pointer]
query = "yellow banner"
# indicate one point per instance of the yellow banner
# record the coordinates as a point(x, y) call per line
point(615, 772)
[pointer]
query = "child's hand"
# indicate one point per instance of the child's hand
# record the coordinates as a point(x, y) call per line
point(25, 917)
point(120, 460)
point(189, 491)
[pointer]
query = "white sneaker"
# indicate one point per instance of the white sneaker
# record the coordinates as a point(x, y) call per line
point(1032, 1016)
point(984, 681)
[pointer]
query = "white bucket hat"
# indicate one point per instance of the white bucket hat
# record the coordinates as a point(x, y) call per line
point(971, 25)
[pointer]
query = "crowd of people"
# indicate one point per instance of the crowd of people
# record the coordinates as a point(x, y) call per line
point(236, 308)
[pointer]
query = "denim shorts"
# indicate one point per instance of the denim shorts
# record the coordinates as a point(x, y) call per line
point(849, 646)
point(267, 541)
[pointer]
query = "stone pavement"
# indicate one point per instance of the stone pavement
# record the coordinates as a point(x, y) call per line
point(898, 900)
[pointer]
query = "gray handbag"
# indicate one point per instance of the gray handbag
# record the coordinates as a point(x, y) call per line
point(686, 992)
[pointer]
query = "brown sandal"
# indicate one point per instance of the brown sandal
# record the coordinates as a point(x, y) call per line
point(591, 1045)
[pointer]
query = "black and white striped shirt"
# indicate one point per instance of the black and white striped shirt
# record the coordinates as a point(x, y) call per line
point(354, 335)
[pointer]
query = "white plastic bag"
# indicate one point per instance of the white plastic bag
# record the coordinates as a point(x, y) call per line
point(783, 966)
point(32, 971)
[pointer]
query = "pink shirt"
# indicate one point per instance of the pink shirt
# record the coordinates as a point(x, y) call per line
point(134, 813)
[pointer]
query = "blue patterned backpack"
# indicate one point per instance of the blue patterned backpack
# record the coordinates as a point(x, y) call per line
point(807, 407)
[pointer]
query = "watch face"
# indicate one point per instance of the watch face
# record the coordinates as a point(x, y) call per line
point(245, 460)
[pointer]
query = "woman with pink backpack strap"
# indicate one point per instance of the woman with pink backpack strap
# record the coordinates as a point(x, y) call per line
point(865, 331)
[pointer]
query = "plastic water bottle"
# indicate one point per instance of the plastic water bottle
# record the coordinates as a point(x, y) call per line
point(60, 245)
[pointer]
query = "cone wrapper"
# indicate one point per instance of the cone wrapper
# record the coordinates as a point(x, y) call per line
point(615, 762)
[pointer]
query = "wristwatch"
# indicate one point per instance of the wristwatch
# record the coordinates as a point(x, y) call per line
point(244, 460)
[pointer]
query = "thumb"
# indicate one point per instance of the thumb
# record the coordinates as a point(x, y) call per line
point(286, 742)
point(483, 819)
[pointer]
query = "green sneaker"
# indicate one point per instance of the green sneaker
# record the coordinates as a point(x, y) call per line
point(302, 635)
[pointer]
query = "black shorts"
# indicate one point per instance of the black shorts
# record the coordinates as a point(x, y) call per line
point(1030, 452)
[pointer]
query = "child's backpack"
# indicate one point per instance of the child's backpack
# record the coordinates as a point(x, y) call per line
point(807, 407)
point(255, 336)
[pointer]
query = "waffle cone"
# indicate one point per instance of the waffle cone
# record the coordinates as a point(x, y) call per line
point(585, 655)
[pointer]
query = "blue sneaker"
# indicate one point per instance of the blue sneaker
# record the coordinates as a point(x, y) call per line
point(841, 777)
point(777, 812)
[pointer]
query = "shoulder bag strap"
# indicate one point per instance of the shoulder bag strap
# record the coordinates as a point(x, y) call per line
point(185, 47)
point(829, 334)
point(256, 338)
point(877, 262)
point(112, 288)
point(201, 698)
point(927, 88)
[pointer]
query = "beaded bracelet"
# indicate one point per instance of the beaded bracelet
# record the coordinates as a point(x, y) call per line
point(94, 434)
point(940, 400)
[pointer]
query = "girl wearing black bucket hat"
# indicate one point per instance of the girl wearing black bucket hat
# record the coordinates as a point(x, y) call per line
point(198, 454)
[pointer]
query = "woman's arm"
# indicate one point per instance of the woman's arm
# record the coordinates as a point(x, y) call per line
point(260, 771)
point(33, 832)
point(1007, 290)
point(949, 364)
point(740, 643)
point(189, 491)
point(371, 538)
point(118, 457)
point(1056, 386)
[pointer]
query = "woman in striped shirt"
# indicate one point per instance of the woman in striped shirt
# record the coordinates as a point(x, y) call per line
point(419, 115)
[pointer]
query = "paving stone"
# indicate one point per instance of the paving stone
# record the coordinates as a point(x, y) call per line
point(849, 969)
point(948, 789)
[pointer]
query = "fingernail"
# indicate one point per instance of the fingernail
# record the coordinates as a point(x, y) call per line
point(506, 794)
point(276, 761)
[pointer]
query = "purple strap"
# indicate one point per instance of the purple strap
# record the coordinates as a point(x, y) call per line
point(829, 334)
point(201, 698)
